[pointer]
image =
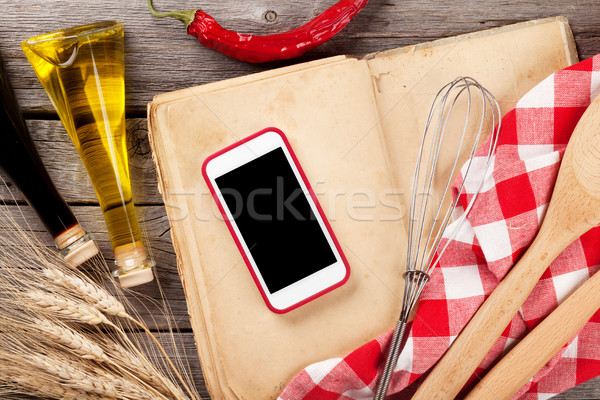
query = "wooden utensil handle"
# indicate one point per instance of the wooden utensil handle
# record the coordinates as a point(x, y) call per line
point(537, 348)
point(477, 338)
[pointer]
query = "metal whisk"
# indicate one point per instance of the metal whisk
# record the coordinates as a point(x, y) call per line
point(430, 215)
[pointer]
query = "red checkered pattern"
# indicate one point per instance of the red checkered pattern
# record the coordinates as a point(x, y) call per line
point(501, 225)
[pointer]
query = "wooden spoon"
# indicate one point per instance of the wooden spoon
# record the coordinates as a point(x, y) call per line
point(536, 349)
point(573, 210)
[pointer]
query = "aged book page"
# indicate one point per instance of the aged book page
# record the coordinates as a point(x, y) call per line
point(323, 110)
point(508, 61)
point(354, 125)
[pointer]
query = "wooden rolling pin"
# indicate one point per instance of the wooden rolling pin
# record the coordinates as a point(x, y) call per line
point(536, 349)
point(573, 210)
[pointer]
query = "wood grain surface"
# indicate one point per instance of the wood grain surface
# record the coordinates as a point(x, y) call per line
point(161, 57)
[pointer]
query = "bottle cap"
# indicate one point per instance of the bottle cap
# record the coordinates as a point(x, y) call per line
point(76, 246)
point(135, 267)
point(81, 253)
point(136, 277)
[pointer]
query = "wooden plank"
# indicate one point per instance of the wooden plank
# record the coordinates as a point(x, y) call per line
point(68, 173)
point(156, 226)
point(161, 57)
point(586, 391)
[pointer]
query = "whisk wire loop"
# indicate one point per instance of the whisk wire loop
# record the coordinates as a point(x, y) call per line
point(427, 256)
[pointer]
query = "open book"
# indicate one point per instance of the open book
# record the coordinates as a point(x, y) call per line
point(355, 125)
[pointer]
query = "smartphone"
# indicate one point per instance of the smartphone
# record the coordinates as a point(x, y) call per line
point(275, 220)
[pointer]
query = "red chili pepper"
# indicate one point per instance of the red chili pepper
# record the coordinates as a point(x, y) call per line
point(279, 46)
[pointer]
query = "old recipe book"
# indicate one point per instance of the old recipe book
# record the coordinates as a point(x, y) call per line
point(355, 125)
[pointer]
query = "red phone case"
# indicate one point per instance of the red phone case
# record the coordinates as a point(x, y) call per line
point(237, 240)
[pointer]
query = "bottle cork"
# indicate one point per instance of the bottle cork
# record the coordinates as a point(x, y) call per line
point(76, 246)
point(135, 268)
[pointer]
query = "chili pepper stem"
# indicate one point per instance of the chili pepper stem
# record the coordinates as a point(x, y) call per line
point(184, 16)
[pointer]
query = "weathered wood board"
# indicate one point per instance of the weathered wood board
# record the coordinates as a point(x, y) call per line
point(161, 57)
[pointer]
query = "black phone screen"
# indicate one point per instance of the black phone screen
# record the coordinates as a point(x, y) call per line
point(275, 220)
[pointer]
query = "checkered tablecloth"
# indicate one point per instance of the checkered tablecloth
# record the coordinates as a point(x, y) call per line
point(499, 228)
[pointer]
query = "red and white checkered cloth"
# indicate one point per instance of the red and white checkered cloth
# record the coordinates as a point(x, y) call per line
point(500, 227)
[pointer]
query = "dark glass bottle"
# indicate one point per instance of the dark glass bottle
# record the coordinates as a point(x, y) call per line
point(20, 160)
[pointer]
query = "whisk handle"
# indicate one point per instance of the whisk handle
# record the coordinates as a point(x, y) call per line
point(392, 359)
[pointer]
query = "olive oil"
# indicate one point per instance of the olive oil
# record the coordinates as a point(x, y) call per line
point(20, 160)
point(82, 69)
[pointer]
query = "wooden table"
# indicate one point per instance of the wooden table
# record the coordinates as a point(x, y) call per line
point(160, 57)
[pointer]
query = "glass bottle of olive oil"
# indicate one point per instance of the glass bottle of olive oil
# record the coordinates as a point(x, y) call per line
point(20, 160)
point(82, 69)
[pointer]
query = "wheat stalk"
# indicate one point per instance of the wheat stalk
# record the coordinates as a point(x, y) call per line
point(87, 349)
point(103, 301)
point(73, 377)
point(67, 308)
point(76, 342)
point(133, 389)
point(77, 379)
point(144, 370)
point(36, 386)
point(164, 353)
point(127, 388)
point(93, 294)
point(89, 313)
point(50, 320)
point(130, 391)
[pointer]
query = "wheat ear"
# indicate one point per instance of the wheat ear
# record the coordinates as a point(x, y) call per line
point(34, 385)
point(74, 378)
point(93, 294)
point(105, 302)
point(133, 392)
point(126, 388)
point(74, 341)
point(87, 349)
point(67, 308)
